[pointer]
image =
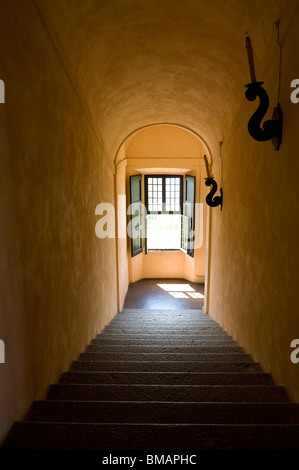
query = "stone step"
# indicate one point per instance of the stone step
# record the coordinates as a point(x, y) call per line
point(177, 333)
point(166, 315)
point(171, 316)
point(173, 334)
point(171, 393)
point(160, 329)
point(167, 341)
point(145, 349)
point(167, 378)
point(123, 334)
point(38, 435)
point(153, 380)
point(197, 313)
point(177, 311)
point(158, 321)
point(161, 380)
point(165, 366)
point(155, 326)
point(163, 412)
point(165, 356)
point(168, 322)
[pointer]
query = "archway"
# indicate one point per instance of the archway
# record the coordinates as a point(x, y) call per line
point(167, 150)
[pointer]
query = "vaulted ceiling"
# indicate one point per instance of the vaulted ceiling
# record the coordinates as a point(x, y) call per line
point(141, 62)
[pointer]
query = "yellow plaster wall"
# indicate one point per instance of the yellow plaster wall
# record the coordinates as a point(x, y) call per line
point(164, 265)
point(58, 286)
point(164, 141)
point(254, 245)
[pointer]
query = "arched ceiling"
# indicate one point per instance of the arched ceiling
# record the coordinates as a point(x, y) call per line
point(141, 62)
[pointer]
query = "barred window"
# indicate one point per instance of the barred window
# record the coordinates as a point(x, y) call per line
point(164, 194)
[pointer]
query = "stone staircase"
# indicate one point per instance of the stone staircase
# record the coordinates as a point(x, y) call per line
point(161, 380)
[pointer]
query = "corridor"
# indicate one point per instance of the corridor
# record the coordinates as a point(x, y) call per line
point(149, 162)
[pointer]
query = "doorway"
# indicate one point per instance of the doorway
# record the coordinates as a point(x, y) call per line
point(160, 173)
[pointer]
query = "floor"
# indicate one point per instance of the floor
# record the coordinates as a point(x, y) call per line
point(166, 294)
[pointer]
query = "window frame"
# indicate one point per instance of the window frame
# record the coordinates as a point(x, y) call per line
point(164, 211)
point(164, 177)
point(183, 199)
point(136, 179)
point(191, 218)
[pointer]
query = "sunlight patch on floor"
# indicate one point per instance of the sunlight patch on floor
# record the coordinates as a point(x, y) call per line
point(181, 291)
point(176, 287)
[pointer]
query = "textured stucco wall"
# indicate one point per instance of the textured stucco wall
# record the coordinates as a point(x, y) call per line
point(58, 286)
point(254, 253)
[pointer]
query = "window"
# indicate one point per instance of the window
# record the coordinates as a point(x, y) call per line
point(163, 200)
point(164, 194)
point(169, 223)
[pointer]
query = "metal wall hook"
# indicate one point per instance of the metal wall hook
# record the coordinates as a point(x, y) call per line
point(272, 128)
point(211, 199)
